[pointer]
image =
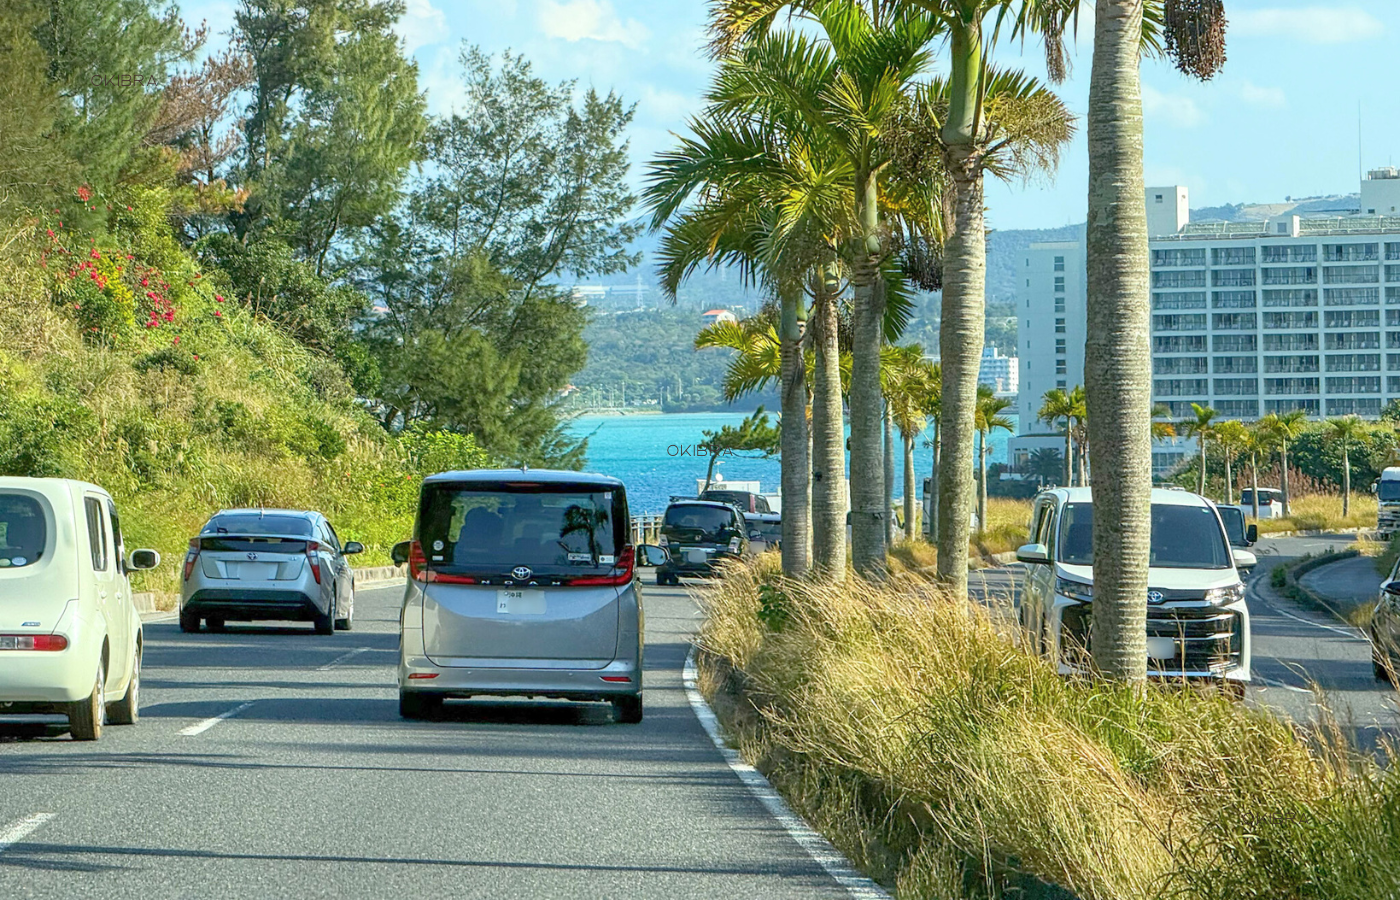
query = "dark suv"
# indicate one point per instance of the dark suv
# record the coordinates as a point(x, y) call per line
point(744, 501)
point(699, 534)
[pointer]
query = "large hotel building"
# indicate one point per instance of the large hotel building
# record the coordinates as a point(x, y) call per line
point(1247, 317)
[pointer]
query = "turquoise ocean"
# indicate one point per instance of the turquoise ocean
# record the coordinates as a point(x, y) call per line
point(649, 454)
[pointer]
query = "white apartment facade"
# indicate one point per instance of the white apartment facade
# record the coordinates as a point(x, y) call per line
point(1000, 373)
point(1248, 318)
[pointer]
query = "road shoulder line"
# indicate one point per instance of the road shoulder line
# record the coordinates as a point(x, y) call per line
point(818, 848)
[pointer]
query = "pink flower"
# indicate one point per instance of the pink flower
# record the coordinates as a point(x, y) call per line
point(219, 313)
point(85, 193)
point(176, 341)
point(218, 298)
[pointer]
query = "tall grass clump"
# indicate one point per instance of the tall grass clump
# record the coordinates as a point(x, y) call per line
point(909, 727)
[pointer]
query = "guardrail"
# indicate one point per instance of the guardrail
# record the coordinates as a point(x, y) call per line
point(646, 529)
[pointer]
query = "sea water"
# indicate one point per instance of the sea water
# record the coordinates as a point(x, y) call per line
point(654, 455)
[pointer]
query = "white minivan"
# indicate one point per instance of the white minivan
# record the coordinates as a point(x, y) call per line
point(70, 636)
point(1197, 620)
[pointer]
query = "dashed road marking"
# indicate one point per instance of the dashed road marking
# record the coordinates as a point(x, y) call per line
point(201, 727)
point(22, 829)
point(342, 658)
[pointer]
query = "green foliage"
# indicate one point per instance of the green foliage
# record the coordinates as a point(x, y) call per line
point(1317, 457)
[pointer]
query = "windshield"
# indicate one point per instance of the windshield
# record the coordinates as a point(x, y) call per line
point(1183, 537)
point(1233, 520)
point(253, 523)
point(710, 523)
point(552, 529)
point(1389, 491)
point(1265, 496)
point(23, 532)
point(771, 531)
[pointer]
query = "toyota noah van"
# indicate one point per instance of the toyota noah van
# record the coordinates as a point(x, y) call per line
point(1197, 621)
point(522, 583)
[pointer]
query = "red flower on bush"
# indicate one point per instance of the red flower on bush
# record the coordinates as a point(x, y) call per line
point(218, 299)
point(85, 193)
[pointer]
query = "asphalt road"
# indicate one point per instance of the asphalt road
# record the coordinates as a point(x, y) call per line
point(1300, 655)
point(312, 786)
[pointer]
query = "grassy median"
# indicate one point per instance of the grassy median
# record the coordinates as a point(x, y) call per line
point(949, 764)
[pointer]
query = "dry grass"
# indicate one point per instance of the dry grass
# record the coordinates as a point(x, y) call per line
point(1323, 512)
point(950, 764)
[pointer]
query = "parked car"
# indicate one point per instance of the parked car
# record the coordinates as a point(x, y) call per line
point(1270, 502)
point(699, 535)
point(1385, 630)
point(250, 565)
point(1241, 535)
point(1197, 621)
point(522, 582)
point(70, 636)
point(745, 501)
point(765, 531)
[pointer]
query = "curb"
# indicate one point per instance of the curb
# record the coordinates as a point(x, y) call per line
point(378, 575)
point(1293, 584)
point(1343, 532)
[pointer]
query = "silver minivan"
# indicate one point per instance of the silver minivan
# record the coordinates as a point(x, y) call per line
point(522, 583)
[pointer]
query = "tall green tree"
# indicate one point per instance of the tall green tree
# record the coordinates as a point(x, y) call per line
point(1283, 429)
point(1201, 427)
point(1348, 431)
point(753, 436)
point(1057, 405)
point(1232, 438)
point(909, 386)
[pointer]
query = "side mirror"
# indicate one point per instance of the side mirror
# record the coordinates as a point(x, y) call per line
point(755, 535)
point(400, 553)
point(1244, 559)
point(353, 547)
point(652, 555)
point(1251, 534)
point(1035, 554)
point(142, 559)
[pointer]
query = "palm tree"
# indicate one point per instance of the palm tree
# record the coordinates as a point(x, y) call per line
point(1259, 441)
point(989, 418)
point(1202, 428)
point(1348, 430)
point(1284, 429)
point(1056, 405)
point(933, 409)
point(1117, 357)
point(908, 384)
point(1162, 425)
point(1233, 439)
point(1080, 404)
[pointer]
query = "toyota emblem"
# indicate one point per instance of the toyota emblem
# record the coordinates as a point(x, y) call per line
point(521, 573)
point(1155, 597)
point(252, 556)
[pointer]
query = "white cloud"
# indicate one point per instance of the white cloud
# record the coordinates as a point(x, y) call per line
point(422, 25)
point(1310, 24)
point(1268, 97)
point(1174, 108)
point(442, 79)
point(595, 20)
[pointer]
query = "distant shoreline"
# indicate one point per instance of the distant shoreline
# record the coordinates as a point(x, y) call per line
point(614, 412)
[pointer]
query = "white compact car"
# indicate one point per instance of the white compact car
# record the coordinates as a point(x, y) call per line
point(1197, 621)
point(70, 636)
point(1270, 502)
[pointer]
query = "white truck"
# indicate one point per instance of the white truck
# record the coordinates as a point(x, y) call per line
point(1388, 503)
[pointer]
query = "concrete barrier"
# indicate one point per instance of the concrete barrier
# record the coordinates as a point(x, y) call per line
point(378, 574)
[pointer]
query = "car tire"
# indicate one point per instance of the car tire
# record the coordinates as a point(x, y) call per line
point(627, 710)
point(662, 579)
point(127, 710)
point(189, 622)
point(417, 705)
point(86, 716)
point(324, 623)
point(215, 624)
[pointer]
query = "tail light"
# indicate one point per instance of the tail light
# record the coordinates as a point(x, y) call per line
point(50, 642)
point(191, 557)
point(418, 569)
point(621, 573)
point(313, 548)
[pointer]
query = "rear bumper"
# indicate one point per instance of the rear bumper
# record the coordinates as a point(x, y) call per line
point(35, 682)
point(567, 684)
point(252, 605)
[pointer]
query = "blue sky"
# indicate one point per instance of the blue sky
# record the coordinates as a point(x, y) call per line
point(1280, 120)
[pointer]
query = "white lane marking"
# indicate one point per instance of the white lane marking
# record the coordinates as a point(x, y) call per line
point(201, 727)
point(1274, 682)
point(817, 847)
point(342, 658)
point(22, 829)
point(1348, 632)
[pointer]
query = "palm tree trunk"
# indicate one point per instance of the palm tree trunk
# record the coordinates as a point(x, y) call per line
point(910, 506)
point(981, 482)
point(1201, 475)
point(1069, 454)
point(1229, 481)
point(1283, 481)
point(1346, 481)
point(1117, 358)
point(796, 464)
point(889, 474)
point(960, 348)
point(1254, 480)
point(868, 509)
point(828, 442)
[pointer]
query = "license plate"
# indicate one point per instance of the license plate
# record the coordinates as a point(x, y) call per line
point(696, 556)
point(1161, 648)
point(520, 603)
point(255, 571)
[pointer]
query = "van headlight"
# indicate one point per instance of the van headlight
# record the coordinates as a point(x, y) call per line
point(1074, 590)
point(1222, 596)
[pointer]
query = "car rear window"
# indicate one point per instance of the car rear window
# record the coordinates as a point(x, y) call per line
point(24, 534)
point(1233, 520)
point(554, 529)
point(253, 523)
point(252, 545)
point(771, 531)
point(700, 522)
point(1183, 537)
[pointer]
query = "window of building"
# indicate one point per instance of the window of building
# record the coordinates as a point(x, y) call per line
point(1059, 264)
point(1392, 273)
point(1291, 385)
point(1179, 257)
point(1291, 275)
point(1180, 300)
point(1059, 345)
point(1179, 323)
point(1353, 318)
point(1237, 387)
point(1060, 306)
point(1354, 362)
point(1059, 284)
point(1061, 367)
point(1232, 256)
point(1294, 364)
point(1291, 297)
point(1186, 279)
point(1392, 340)
point(1355, 406)
point(1311, 407)
point(1179, 343)
point(1233, 300)
point(1291, 253)
point(1179, 365)
point(1351, 274)
point(1060, 384)
point(1290, 320)
point(1392, 295)
point(1350, 252)
point(1355, 340)
point(1352, 296)
point(1237, 409)
point(1354, 384)
point(1392, 251)
point(1236, 365)
point(1181, 387)
point(1234, 343)
point(1235, 321)
point(1060, 325)
point(1232, 277)
point(1278, 342)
